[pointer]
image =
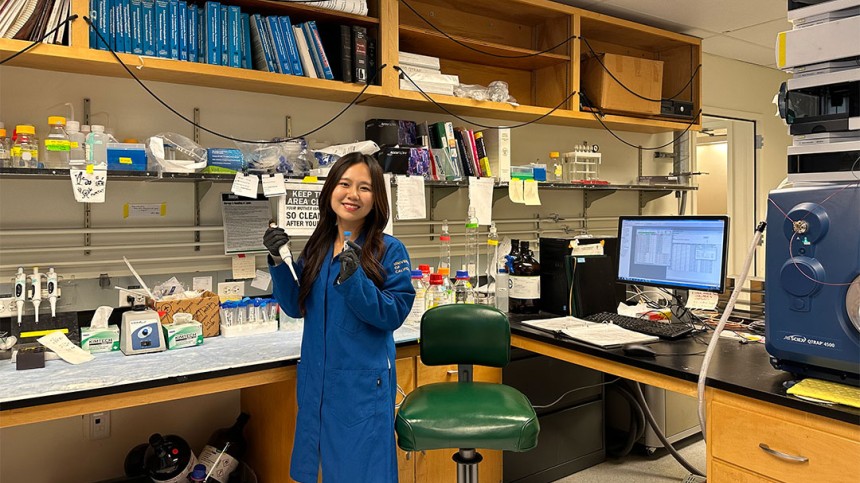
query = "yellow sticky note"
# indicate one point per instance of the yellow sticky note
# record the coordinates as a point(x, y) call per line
point(89, 169)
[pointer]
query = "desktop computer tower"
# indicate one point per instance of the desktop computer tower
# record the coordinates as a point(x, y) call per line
point(675, 414)
point(593, 277)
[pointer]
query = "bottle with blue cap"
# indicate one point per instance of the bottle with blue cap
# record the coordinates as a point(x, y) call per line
point(463, 292)
point(419, 305)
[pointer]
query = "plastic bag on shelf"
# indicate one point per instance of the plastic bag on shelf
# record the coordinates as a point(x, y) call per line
point(496, 91)
point(325, 157)
point(291, 157)
point(174, 153)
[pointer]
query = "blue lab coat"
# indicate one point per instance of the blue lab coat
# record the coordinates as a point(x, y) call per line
point(347, 384)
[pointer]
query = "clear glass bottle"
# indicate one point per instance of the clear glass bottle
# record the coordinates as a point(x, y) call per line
point(502, 287)
point(487, 294)
point(57, 144)
point(524, 294)
point(436, 294)
point(233, 440)
point(447, 285)
point(471, 254)
point(420, 303)
point(5, 150)
point(96, 145)
point(463, 293)
point(445, 247)
point(25, 151)
point(77, 142)
point(168, 458)
point(425, 272)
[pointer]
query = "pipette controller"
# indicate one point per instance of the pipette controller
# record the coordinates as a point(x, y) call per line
point(286, 255)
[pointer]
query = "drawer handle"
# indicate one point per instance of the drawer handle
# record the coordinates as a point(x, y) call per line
point(784, 456)
point(451, 372)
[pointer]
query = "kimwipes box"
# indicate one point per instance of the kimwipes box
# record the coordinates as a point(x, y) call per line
point(205, 309)
point(642, 76)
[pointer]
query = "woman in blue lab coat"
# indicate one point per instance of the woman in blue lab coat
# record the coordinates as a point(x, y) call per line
point(352, 300)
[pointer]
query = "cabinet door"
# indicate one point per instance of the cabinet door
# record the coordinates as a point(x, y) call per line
point(270, 430)
point(406, 381)
point(437, 466)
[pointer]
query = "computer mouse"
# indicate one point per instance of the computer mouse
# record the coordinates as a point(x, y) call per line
point(638, 350)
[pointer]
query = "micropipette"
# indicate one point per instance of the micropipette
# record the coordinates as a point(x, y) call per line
point(286, 255)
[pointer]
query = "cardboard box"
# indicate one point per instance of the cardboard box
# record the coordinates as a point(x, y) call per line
point(205, 309)
point(642, 76)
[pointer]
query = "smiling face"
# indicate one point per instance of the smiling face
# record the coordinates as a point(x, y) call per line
point(352, 198)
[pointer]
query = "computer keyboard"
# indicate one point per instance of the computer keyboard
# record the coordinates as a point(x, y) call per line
point(662, 330)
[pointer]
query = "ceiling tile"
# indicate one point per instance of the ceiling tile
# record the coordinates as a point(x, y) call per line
point(763, 34)
point(732, 48)
point(714, 16)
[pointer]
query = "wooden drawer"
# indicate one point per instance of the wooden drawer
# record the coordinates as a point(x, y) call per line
point(736, 431)
point(721, 471)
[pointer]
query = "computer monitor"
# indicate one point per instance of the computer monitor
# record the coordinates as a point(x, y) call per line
point(677, 252)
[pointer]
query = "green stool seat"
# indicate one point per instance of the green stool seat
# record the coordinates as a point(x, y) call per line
point(466, 415)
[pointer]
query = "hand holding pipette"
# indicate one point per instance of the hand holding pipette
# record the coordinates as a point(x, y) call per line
point(277, 242)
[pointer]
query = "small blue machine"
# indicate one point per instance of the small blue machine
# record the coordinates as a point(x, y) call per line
point(812, 300)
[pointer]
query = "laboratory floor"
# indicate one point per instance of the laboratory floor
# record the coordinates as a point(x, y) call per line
point(636, 467)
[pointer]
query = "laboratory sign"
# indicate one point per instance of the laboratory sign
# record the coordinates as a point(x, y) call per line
point(302, 208)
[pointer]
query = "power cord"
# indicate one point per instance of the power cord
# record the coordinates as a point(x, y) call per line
point(210, 131)
point(62, 24)
point(572, 391)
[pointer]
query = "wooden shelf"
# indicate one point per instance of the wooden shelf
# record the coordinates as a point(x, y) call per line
point(98, 62)
point(302, 12)
point(431, 42)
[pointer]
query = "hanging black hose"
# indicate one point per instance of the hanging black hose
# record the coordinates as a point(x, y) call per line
point(636, 427)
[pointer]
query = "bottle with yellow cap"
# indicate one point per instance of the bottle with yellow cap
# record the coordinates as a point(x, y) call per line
point(57, 145)
point(25, 151)
point(554, 170)
point(5, 150)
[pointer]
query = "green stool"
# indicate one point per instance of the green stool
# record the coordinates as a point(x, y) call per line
point(466, 414)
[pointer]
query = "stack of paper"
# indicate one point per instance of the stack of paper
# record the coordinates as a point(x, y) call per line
point(425, 72)
point(595, 333)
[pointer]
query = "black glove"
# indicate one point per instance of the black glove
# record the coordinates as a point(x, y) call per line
point(349, 261)
point(274, 239)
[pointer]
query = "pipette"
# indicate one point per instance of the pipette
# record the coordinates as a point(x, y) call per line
point(20, 291)
point(36, 295)
point(286, 255)
point(51, 277)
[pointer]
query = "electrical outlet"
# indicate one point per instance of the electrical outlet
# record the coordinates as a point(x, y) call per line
point(231, 289)
point(7, 307)
point(97, 425)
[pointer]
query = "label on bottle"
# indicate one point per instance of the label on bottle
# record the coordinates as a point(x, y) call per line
point(493, 243)
point(418, 307)
point(226, 465)
point(524, 287)
point(57, 145)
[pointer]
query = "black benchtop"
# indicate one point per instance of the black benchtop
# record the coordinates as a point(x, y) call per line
point(738, 368)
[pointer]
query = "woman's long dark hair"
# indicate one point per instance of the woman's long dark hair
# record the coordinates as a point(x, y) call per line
point(326, 233)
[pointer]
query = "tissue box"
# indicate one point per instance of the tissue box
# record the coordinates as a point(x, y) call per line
point(126, 157)
point(178, 336)
point(100, 339)
point(205, 310)
point(224, 160)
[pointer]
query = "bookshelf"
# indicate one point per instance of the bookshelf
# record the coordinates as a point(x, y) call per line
point(523, 27)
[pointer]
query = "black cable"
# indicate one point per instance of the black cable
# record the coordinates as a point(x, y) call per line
point(444, 109)
point(650, 418)
point(519, 56)
point(597, 58)
point(544, 406)
point(636, 427)
point(224, 136)
point(610, 131)
point(39, 41)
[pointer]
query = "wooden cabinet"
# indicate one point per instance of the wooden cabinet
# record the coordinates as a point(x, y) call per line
point(750, 440)
point(406, 381)
point(535, 46)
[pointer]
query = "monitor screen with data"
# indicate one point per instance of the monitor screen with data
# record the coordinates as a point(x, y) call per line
point(680, 252)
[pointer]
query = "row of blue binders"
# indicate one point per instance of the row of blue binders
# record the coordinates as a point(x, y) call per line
point(223, 35)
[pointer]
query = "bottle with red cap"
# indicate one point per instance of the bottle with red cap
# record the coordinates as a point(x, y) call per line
point(436, 294)
point(168, 458)
point(425, 272)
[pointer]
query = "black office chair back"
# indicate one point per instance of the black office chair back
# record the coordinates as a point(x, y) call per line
point(465, 334)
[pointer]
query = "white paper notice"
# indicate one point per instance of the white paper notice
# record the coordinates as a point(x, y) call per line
point(89, 185)
point(530, 192)
point(389, 228)
point(144, 210)
point(481, 198)
point(515, 190)
point(702, 300)
point(202, 283)
point(273, 185)
point(244, 266)
point(245, 223)
point(245, 185)
point(410, 198)
point(63, 347)
point(262, 280)
point(301, 208)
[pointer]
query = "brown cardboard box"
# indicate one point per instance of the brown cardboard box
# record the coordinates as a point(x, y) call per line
point(642, 76)
point(205, 309)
